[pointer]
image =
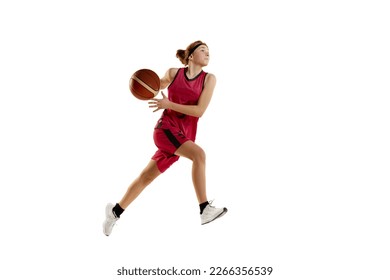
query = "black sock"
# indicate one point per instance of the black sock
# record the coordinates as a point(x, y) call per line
point(202, 206)
point(118, 210)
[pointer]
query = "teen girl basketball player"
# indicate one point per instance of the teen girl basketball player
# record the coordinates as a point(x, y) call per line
point(189, 93)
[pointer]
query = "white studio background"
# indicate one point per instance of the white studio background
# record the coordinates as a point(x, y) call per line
point(296, 138)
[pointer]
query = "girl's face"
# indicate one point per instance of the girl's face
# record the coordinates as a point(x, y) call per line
point(201, 55)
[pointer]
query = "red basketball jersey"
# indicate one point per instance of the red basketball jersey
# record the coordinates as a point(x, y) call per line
point(183, 90)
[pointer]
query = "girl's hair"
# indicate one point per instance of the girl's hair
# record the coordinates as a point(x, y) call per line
point(183, 55)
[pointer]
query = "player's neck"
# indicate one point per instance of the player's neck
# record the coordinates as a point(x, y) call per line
point(193, 71)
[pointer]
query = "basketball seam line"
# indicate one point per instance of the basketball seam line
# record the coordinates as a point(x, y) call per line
point(145, 85)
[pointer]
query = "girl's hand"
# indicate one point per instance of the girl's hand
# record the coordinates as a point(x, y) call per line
point(162, 103)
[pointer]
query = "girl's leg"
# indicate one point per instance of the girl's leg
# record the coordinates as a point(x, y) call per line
point(195, 153)
point(147, 175)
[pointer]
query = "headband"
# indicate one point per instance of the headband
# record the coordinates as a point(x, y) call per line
point(194, 48)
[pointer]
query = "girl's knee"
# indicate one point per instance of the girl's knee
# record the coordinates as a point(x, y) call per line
point(149, 174)
point(200, 155)
point(192, 151)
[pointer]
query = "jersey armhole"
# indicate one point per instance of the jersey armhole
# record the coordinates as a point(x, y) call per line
point(177, 73)
point(204, 80)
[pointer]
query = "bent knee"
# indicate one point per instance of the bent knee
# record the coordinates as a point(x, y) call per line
point(199, 155)
point(191, 151)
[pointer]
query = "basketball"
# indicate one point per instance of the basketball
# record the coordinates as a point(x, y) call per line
point(144, 84)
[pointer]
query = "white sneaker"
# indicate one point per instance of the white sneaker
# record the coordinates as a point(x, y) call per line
point(110, 221)
point(210, 213)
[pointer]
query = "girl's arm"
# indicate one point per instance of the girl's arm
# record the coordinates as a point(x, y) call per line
point(168, 77)
point(192, 110)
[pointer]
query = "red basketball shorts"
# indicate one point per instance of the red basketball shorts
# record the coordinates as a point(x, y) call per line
point(167, 139)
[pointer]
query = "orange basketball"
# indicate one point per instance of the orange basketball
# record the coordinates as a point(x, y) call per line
point(144, 84)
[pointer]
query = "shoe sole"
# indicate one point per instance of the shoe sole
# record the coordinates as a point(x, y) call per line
point(105, 231)
point(219, 216)
point(108, 209)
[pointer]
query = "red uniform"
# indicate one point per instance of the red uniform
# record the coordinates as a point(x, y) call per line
point(174, 128)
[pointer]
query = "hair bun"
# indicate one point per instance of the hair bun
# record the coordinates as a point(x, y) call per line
point(181, 55)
